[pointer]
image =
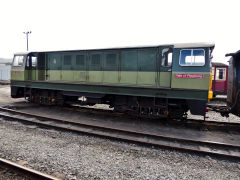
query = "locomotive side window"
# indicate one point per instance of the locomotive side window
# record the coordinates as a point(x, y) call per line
point(166, 57)
point(192, 57)
point(96, 62)
point(67, 60)
point(111, 59)
point(18, 61)
point(31, 61)
point(80, 60)
point(147, 59)
point(221, 74)
point(34, 61)
point(129, 60)
point(111, 62)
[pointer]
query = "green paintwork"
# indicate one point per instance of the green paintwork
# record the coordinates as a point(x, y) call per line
point(66, 75)
point(111, 77)
point(116, 89)
point(80, 76)
point(17, 74)
point(186, 83)
point(128, 77)
point(95, 76)
point(165, 79)
point(104, 77)
point(133, 71)
point(54, 75)
point(146, 78)
point(31, 75)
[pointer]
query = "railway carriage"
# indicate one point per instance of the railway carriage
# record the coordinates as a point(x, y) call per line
point(159, 81)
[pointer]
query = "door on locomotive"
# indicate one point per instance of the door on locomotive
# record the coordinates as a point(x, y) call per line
point(164, 73)
point(31, 67)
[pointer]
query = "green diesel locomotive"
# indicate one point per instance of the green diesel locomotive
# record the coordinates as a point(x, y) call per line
point(156, 81)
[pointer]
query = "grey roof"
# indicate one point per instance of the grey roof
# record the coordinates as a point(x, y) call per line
point(218, 64)
point(177, 45)
point(190, 45)
point(21, 53)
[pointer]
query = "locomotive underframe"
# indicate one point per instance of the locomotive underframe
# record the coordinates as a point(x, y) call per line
point(149, 102)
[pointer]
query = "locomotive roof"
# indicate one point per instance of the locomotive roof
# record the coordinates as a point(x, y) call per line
point(177, 45)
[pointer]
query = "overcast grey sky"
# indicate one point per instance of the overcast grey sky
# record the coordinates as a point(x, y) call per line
point(78, 24)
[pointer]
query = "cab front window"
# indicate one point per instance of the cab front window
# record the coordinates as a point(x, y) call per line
point(18, 61)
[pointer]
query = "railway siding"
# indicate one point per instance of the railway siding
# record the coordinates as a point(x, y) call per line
point(81, 157)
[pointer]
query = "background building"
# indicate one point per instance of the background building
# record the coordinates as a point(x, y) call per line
point(5, 67)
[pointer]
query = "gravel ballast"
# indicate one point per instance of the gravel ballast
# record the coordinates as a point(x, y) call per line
point(76, 156)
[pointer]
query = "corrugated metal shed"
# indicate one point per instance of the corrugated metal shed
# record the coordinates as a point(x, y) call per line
point(5, 72)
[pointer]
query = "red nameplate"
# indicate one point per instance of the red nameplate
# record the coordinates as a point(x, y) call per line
point(190, 76)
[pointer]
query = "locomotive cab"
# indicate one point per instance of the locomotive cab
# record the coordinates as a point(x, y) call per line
point(24, 68)
point(18, 74)
point(191, 73)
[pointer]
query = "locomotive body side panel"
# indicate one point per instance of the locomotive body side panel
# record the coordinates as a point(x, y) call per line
point(191, 75)
point(149, 79)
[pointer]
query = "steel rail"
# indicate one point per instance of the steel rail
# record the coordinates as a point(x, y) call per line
point(192, 122)
point(193, 145)
point(33, 174)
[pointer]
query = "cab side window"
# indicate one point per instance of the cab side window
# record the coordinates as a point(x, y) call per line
point(166, 57)
point(31, 61)
point(18, 61)
point(34, 61)
point(192, 57)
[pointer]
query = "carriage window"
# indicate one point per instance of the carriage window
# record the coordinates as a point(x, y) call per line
point(18, 61)
point(67, 60)
point(192, 57)
point(221, 74)
point(166, 57)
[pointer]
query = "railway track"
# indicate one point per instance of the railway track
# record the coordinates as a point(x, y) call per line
point(136, 136)
point(191, 123)
point(24, 171)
